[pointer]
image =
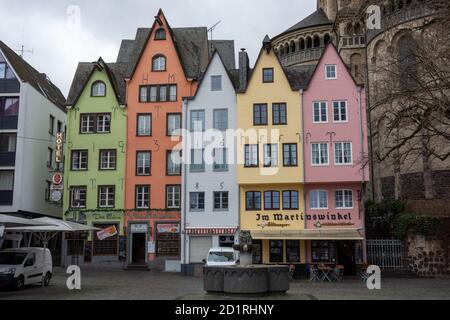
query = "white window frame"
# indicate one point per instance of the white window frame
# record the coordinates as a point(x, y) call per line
point(108, 161)
point(320, 111)
point(335, 72)
point(101, 123)
point(172, 192)
point(343, 198)
point(320, 154)
point(340, 111)
point(73, 190)
point(197, 194)
point(89, 118)
point(108, 197)
point(221, 83)
point(319, 192)
point(79, 168)
point(145, 128)
point(342, 143)
point(221, 201)
point(140, 197)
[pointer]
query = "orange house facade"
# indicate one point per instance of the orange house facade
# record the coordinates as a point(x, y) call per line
point(155, 87)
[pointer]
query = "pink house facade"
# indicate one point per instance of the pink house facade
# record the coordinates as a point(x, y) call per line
point(335, 147)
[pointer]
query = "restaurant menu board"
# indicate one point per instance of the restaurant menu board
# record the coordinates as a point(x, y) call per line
point(88, 251)
point(122, 248)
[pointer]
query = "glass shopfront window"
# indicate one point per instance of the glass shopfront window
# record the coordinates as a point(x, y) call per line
point(293, 251)
point(323, 251)
point(276, 251)
point(257, 252)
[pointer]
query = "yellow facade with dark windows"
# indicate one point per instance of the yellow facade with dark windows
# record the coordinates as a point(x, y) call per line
point(270, 161)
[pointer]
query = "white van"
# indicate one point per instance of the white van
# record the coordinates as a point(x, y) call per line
point(222, 257)
point(25, 266)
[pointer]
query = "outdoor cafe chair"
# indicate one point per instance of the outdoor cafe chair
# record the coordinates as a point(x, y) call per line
point(338, 274)
point(314, 274)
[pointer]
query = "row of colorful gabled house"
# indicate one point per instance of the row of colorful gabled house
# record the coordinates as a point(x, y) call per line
point(171, 151)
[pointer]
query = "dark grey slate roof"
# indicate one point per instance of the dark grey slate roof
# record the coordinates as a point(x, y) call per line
point(226, 51)
point(37, 80)
point(234, 77)
point(191, 44)
point(84, 72)
point(125, 51)
point(299, 76)
point(317, 18)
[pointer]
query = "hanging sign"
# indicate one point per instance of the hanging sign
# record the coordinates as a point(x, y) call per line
point(59, 147)
point(56, 195)
point(57, 179)
point(107, 233)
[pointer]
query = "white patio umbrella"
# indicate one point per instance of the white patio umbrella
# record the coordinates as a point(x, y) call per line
point(11, 221)
point(50, 229)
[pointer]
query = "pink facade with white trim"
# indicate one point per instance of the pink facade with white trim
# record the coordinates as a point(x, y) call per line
point(350, 132)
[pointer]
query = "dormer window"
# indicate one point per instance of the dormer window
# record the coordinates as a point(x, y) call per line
point(159, 63)
point(330, 72)
point(160, 34)
point(268, 75)
point(98, 89)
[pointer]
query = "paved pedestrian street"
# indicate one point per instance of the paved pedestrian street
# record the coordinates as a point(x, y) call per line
point(101, 284)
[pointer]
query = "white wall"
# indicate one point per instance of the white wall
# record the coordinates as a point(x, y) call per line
point(210, 181)
point(34, 139)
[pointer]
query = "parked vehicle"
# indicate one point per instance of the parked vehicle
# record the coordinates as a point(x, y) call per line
point(25, 266)
point(222, 257)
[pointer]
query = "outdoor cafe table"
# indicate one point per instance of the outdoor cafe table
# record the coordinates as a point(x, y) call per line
point(326, 273)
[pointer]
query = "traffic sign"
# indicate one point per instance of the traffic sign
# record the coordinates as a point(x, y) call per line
point(57, 178)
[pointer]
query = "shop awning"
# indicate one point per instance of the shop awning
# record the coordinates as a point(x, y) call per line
point(323, 234)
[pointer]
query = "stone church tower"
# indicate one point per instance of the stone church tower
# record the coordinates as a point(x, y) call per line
point(423, 183)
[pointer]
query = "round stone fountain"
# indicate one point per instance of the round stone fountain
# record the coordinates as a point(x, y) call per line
point(246, 278)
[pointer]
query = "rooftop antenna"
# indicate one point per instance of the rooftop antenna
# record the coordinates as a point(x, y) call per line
point(210, 30)
point(23, 51)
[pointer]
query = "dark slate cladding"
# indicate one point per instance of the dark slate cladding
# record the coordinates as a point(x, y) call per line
point(126, 48)
point(37, 80)
point(234, 77)
point(299, 76)
point(317, 18)
point(192, 47)
point(84, 72)
point(226, 51)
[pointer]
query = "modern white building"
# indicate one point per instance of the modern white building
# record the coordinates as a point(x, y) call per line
point(210, 211)
point(31, 113)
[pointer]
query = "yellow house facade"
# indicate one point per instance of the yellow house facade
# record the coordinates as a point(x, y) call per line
point(270, 160)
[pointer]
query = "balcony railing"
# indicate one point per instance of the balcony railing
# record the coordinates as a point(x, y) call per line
point(407, 14)
point(6, 198)
point(8, 122)
point(301, 56)
point(353, 42)
point(7, 159)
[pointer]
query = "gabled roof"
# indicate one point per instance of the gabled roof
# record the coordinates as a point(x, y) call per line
point(297, 76)
point(333, 47)
point(317, 18)
point(226, 50)
point(191, 45)
point(232, 74)
point(85, 70)
point(37, 80)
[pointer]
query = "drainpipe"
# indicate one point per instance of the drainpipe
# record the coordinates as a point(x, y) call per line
point(184, 198)
point(363, 173)
point(305, 223)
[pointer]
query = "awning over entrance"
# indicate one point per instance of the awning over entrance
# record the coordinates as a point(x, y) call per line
point(324, 234)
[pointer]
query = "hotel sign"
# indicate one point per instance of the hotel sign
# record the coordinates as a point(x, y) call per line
point(59, 147)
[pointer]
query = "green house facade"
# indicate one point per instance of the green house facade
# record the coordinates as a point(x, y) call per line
point(95, 162)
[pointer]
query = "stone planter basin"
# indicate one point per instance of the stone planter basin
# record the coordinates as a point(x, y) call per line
point(246, 280)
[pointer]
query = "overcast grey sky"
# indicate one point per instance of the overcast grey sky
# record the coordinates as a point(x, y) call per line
point(45, 26)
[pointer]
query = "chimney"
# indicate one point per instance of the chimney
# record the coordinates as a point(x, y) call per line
point(243, 69)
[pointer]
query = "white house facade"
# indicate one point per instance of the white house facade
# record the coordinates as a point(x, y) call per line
point(31, 113)
point(210, 210)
